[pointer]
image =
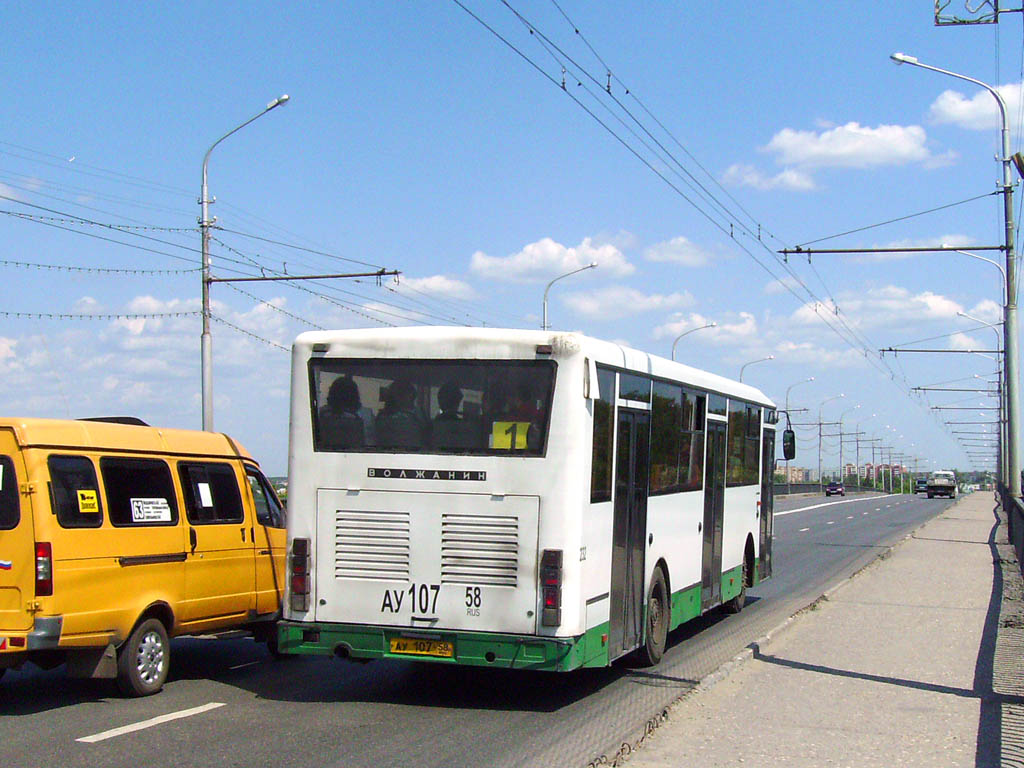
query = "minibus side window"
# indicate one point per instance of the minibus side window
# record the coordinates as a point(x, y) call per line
point(10, 510)
point(139, 492)
point(74, 492)
point(211, 493)
point(268, 508)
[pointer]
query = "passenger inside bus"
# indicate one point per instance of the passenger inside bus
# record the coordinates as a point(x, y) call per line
point(399, 425)
point(451, 431)
point(341, 425)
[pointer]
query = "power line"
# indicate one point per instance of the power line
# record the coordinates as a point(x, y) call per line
point(96, 270)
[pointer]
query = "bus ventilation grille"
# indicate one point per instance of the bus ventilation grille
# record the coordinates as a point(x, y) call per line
point(372, 546)
point(479, 549)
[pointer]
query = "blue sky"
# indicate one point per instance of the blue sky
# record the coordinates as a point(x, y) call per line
point(416, 140)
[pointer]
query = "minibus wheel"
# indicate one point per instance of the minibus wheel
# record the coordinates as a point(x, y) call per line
point(142, 661)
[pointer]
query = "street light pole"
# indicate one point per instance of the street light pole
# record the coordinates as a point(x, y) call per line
point(789, 484)
point(759, 360)
point(842, 469)
point(206, 341)
point(826, 400)
point(712, 324)
point(1001, 458)
point(1011, 356)
point(544, 320)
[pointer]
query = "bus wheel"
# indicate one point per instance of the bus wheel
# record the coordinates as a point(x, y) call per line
point(142, 662)
point(657, 620)
point(736, 604)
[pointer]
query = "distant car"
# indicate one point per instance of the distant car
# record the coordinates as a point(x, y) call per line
point(920, 485)
point(835, 488)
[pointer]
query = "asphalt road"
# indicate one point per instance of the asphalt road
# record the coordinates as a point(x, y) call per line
point(256, 711)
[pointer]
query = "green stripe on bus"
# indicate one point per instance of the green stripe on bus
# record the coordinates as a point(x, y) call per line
point(732, 583)
point(481, 649)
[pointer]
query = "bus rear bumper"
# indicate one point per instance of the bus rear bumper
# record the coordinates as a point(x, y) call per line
point(366, 643)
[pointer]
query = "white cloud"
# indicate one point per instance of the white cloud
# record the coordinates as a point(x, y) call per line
point(681, 323)
point(436, 285)
point(679, 250)
point(818, 355)
point(963, 341)
point(850, 146)
point(546, 259)
point(743, 329)
point(7, 191)
point(951, 240)
point(7, 348)
point(880, 307)
point(740, 175)
point(619, 301)
point(775, 287)
point(988, 311)
point(977, 113)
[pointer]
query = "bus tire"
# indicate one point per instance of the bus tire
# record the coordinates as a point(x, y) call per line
point(735, 605)
point(143, 661)
point(657, 620)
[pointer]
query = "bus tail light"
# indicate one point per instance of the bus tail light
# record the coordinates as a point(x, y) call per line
point(551, 587)
point(300, 575)
point(44, 569)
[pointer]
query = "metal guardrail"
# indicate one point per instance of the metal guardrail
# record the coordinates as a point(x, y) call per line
point(1014, 520)
point(784, 489)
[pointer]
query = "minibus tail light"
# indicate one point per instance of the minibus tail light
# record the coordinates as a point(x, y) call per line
point(44, 569)
point(299, 562)
point(551, 587)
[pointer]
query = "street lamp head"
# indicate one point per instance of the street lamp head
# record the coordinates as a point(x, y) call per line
point(902, 58)
point(282, 99)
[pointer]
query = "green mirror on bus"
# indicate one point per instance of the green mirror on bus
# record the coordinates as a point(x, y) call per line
point(789, 444)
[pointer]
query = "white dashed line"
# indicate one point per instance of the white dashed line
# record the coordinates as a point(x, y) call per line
point(831, 522)
point(803, 529)
point(817, 506)
point(149, 723)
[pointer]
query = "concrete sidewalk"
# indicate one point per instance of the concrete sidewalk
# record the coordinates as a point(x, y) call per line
point(907, 663)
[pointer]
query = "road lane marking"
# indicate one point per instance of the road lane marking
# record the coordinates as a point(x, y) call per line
point(849, 517)
point(803, 529)
point(816, 506)
point(243, 666)
point(149, 723)
point(831, 522)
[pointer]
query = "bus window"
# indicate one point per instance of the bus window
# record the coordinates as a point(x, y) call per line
point(601, 462)
point(666, 420)
point(432, 406)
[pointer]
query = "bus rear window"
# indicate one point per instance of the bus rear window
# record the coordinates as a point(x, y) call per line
point(479, 407)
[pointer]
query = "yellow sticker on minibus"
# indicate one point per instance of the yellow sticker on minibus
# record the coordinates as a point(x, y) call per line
point(88, 503)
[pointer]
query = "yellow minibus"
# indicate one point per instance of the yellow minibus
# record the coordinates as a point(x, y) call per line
point(116, 536)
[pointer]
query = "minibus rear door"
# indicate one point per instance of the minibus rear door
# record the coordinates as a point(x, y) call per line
point(17, 541)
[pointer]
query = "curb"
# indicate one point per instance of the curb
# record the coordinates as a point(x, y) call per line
point(710, 680)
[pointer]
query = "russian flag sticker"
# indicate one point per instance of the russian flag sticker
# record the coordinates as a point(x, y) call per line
point(5, 565)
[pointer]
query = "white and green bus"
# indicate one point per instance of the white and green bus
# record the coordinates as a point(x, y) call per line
point(525, 499)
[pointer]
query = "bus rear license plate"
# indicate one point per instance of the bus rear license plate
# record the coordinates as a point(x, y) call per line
point(414, 647)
